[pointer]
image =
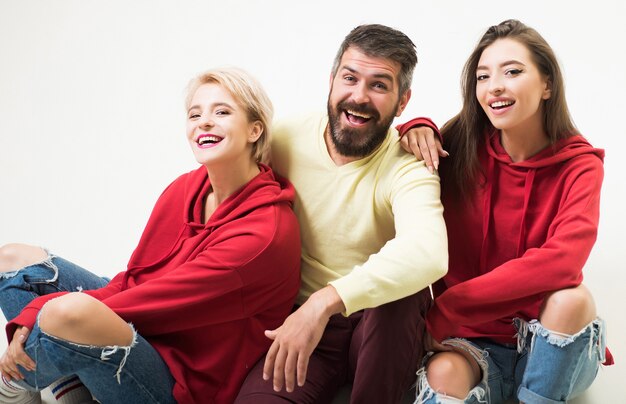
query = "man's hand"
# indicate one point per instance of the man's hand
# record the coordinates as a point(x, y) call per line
point(294, 341)
point(15, 355)
point(425, 145)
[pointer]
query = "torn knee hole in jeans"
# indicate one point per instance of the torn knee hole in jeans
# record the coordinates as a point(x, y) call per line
point(106, 351)
point(46, 262)
point(556, 338)
point(480, 392)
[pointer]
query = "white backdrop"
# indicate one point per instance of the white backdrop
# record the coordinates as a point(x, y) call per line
point(92, 123)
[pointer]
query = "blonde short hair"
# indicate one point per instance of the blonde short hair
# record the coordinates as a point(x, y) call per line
point(250, 95)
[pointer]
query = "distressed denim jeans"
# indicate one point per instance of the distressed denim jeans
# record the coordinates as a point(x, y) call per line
point(544, 368)
point(113, 374)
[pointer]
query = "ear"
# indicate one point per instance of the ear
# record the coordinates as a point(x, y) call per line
point(255, 132)
point(547, 92)
point(404, 100)
point(330, 80)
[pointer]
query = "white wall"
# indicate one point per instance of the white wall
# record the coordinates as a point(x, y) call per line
point(92, 124)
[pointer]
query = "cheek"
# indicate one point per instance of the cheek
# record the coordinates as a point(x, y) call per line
point(480, 93)
point(480, 97)
point(189, 129)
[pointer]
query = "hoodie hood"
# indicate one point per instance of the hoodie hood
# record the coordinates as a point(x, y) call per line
point(563, 150)
point(267, 188)
point(177, 216)
point(501, 170)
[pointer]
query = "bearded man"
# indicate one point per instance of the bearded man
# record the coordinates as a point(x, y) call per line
point(373, 236)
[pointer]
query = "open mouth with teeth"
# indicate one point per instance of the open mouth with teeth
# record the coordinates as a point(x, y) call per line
point(501, 104)
point(356, 118)
point(206, 141)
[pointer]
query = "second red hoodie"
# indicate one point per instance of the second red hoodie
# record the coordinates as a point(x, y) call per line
point(527, 232)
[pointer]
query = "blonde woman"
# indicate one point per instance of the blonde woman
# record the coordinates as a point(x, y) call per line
point(217, 264)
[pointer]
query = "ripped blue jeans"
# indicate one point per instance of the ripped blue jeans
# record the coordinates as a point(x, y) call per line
point(113, 374)
point(544, 368)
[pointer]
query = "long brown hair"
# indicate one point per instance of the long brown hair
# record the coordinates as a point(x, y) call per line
point(465, 132)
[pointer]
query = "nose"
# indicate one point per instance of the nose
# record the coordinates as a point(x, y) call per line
point(360, 93)
point(495, 86)
point(206, 122)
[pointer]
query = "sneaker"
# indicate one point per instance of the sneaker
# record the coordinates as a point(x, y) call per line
point(13, 394)
point(20, 397)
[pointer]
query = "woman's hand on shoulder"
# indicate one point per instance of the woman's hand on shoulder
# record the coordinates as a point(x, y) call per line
point(425, 145)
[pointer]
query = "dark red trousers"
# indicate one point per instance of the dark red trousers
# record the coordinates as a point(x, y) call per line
point(378, 350)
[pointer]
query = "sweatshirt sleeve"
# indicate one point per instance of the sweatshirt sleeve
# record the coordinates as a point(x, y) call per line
point(418, 254)
point(28, 315)
point(218, 284)
point(403, 128)
point(515, 285)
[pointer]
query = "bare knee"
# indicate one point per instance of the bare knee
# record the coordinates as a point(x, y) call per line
point(568, 310)
point(80, 318)
point(450, 373)
point(64, 315)
point(15, 256)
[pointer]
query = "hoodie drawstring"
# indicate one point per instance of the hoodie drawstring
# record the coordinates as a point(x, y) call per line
point(487, 212)
point(528, 187)
point(488, 201)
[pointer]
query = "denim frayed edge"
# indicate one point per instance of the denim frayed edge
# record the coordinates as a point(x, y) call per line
point(479, 392)
point(46, 261)
point(107, 350)
point(559, 339)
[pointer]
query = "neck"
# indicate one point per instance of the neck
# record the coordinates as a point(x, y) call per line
point(523, 144)
point(338, 158)
point(228, 178)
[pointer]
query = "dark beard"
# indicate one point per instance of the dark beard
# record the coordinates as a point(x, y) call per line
point(352, 142)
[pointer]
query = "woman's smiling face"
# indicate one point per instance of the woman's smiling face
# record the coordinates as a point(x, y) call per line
point(218, 128)
point(509, 86)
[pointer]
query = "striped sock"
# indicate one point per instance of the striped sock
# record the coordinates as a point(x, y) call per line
point(70, 390)
point(11, 393)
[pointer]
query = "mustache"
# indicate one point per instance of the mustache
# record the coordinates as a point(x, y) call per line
point(365, 109)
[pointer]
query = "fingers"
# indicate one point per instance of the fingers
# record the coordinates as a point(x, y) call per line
point(16, 349)
point(440, 150)
point(428, 150)
point(9, 369)
point(279, 370)
point(270, 359)
point(404, 142)
point(302, 366)
point(425, 145)
point(21, 356)
point(290, 371)
point(271, 334)
point(16, 356)
point(285, 367)
point(435, 149)
point(275, 366)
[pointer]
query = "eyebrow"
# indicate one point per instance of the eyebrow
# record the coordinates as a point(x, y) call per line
point(503, 64)
point(386, 76)
point(213, 106)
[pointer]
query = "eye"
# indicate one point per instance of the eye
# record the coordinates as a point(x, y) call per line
point(194, 115)
point(482, 77)
point(513, 72)
point(222, 112)
point(380, 86)
point(349, 78)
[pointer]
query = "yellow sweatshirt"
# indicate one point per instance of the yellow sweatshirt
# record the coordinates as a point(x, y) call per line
point(372, 228)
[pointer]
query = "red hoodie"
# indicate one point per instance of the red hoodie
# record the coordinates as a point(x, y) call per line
point(202, 294)
point(527, 232)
